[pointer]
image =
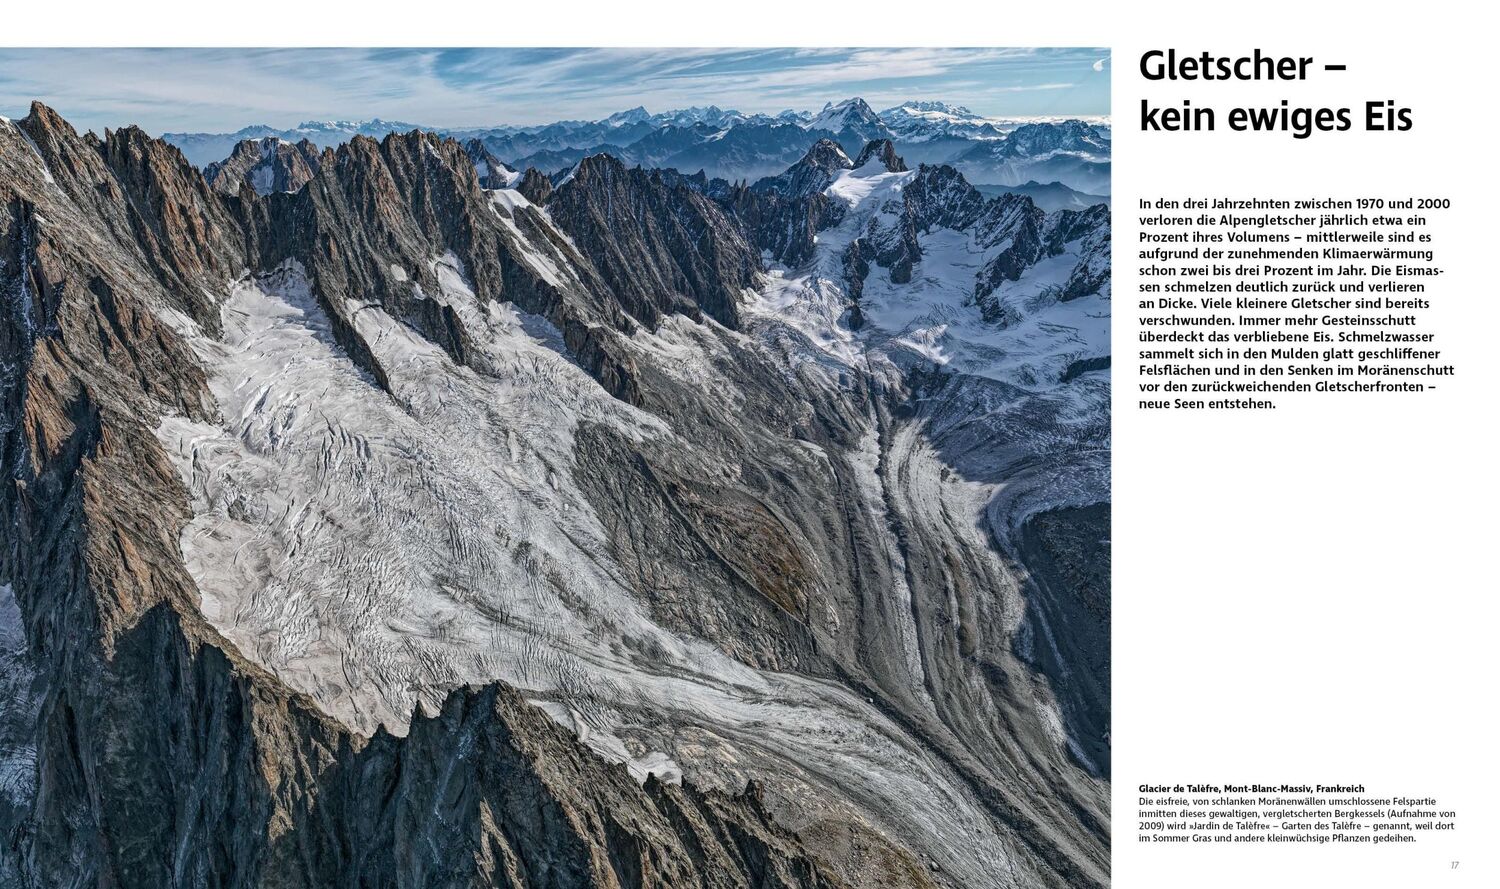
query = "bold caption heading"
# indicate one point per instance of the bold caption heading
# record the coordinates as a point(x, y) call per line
point(1376, 115)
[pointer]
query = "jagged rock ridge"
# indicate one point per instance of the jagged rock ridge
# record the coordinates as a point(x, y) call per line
point(733, 146)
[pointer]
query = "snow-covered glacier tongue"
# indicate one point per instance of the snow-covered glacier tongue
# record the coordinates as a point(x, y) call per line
point(376, 550)
point(794, 493)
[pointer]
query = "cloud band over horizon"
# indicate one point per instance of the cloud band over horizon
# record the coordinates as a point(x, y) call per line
point(222, 90)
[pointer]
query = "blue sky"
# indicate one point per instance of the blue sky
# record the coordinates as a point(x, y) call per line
point(220, 90)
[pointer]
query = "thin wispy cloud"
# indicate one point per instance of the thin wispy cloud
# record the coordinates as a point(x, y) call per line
point(225, 89)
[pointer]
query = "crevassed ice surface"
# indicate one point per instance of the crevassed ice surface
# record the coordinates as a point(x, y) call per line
point(375, 550)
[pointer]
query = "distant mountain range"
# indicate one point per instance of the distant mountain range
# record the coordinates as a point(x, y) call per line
point(1049, 196)
point(203, 149)
point(727, 144)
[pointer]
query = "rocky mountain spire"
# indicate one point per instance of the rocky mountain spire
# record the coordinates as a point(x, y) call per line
point(811, 174)
point(491, 172)
point(885, 151)
point(268, 165)
point(535, 186)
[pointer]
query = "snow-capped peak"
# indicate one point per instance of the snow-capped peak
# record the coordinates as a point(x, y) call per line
point(849, 113)
point(922, 121)
point(638, 114)
point(331, 125)
point(929, 109)
point(372, 127)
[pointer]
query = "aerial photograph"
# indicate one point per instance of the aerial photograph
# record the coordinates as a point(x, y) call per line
point(550, 468)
